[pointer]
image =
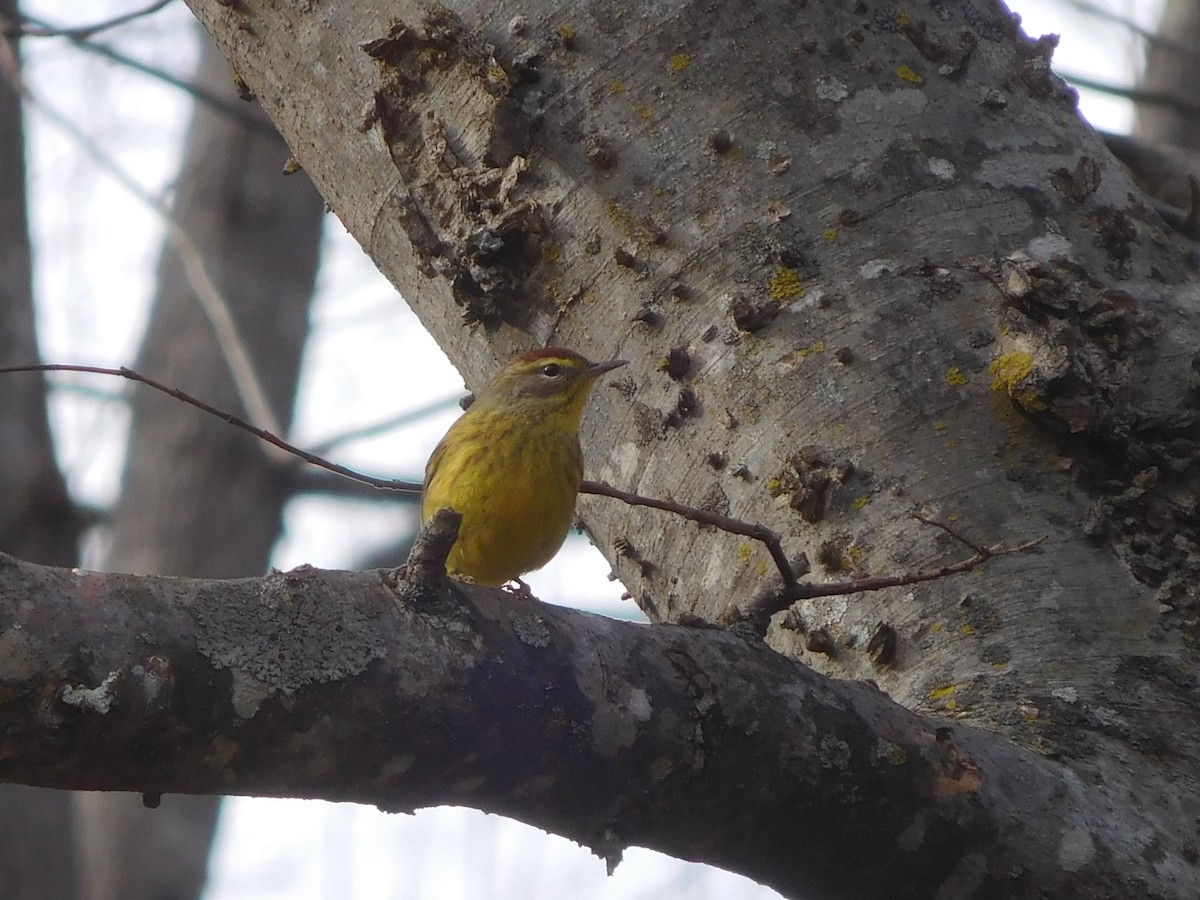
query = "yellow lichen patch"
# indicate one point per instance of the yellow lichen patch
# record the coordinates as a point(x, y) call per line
point(935, 628)
point(618, 215)
point(941, 693)
point(744, 552)
point(1029, 399)
point(679, 62)
point(814, 347)
point(902, 18)
point(999, 666)
point(955, 377)
point(773, 485)
point(940, 426)
point(552, 253)
point(617, 87)
point(1010, 369)
point(643, 111)
point(905, 73)
point(859, 502)
point(762, 569)
point(968, 629)
point(566, 33)
point(893, 753)
point(830, 234)
point(785, 284)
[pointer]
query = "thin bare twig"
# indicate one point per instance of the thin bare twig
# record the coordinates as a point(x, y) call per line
point(879, 582)
point(263, 435)
point(211, 300)
point(1133, 94)
point(236, 110)
point(753, 530)
point(82, 32)
point(765, 604)
point(705, 517)
point(962, 539)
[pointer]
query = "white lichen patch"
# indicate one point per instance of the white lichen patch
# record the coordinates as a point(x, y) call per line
point(247, 693)
point(615, 723)
point(98, 699)
point(1076, 848)
point(1065, 694)
point(531, 630)
point(1049, 246)
point(625, 458)
point(152, 683)
point(830, 88)
point(941, 169)
point(834, 753)
point(874, 268)
point(639, 705)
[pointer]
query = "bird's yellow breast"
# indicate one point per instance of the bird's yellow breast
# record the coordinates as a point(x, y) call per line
point(515, 481)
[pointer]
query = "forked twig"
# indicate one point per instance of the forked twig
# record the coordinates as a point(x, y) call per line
point(962, 539)
point(770, 602)
point(761, 533)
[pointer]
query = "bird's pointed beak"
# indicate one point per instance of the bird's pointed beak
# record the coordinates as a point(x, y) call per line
point(595, 370)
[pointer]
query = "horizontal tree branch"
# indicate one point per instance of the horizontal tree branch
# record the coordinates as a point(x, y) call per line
point(696, 742)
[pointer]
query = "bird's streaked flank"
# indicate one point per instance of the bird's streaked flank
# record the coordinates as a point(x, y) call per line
point(512, 466)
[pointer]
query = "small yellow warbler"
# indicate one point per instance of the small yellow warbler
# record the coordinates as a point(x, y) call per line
point(512, 466)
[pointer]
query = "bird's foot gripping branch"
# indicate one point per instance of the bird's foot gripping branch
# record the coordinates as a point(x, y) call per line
point(423, 578)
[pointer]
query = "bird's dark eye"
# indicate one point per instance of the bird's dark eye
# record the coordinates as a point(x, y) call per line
point(552, 370)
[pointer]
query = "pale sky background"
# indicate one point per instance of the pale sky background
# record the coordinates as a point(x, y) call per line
point(96, 249)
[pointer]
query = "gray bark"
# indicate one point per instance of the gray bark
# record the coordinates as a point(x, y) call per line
point(696, 742)
point(902, 273)
point(37, 521)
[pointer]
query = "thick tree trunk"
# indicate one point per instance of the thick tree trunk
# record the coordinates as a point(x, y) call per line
point(1164, 152)
point(1173, 69)
point(37, 520)
point(199, 497)
point(864, 262)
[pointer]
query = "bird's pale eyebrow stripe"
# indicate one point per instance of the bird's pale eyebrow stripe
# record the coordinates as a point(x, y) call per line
point(551, 353)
